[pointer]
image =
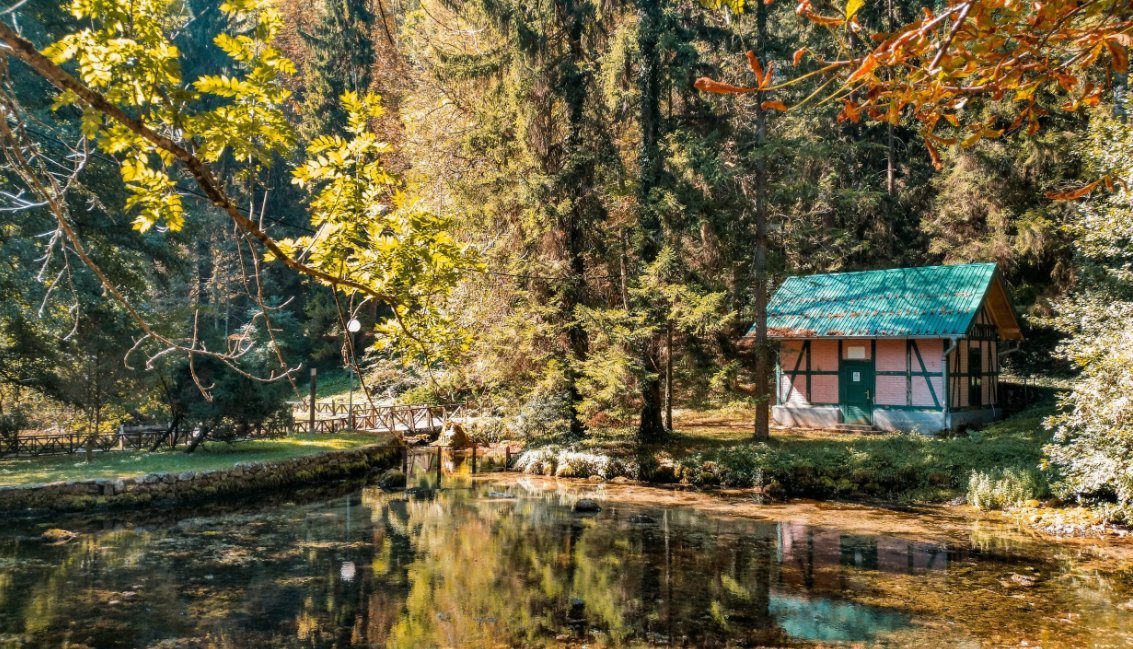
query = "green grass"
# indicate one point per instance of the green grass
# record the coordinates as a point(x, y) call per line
point(714, 448)
point(894, 467)
point(334, 383)
point(211, 456)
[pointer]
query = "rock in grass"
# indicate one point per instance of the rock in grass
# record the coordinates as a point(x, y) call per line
point(587, 506)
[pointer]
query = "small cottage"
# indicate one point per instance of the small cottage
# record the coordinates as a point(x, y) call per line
point(901, 349)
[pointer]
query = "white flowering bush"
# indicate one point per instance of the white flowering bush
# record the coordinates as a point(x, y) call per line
point(567, 463)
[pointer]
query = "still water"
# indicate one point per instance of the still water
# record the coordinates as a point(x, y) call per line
point(508, 563)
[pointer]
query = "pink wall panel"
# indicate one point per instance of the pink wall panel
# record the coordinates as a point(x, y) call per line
point(891, 355)
point(797, 396)
point(824, 388)
point(890, 390)
point(824, 355)
point(921, 394)
point(789, 355)
point(930, 354)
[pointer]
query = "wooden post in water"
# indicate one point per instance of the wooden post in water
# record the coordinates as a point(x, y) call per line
point(438, 466)
point(473, 458)
point(507, 458)
point(405, 462)
point(314, 381)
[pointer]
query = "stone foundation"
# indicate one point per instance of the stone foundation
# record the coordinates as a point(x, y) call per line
point(175, 488)
point(812, 417)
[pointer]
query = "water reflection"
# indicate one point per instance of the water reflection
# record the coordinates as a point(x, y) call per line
point(490, 565)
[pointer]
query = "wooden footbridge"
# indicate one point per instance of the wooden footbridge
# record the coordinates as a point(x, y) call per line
point(330, 417)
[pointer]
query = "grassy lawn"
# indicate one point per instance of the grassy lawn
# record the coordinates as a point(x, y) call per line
point(714, 448)
point(906, 467)
point(210, 456)
point(333, 384)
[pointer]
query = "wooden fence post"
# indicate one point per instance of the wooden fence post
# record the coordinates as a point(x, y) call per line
point(314, 381)
point(439, 467)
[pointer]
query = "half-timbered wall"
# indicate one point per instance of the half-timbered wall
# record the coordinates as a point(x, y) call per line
point(808, 372)
point(909, 373)
point(983, 338)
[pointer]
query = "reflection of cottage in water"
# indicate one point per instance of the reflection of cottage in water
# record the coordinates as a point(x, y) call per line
point(816, 560)
point(814, 549)
point(900, 349)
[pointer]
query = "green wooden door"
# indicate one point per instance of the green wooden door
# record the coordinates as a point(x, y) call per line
point(855, 382)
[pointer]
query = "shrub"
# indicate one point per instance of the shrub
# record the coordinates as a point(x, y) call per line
point(486, 429)
point(11, 423)
point(545, 411)
point(1003, 488)
point(567, 463)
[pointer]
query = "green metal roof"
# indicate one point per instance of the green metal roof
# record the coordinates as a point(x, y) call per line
point(930, 301)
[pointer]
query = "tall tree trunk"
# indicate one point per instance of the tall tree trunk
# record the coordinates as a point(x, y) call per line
point(669, 377)
point(651, 426)
point(577, 181)
point(762, 352)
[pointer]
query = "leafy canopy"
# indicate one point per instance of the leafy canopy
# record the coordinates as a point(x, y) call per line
point(1037, 56)
point(372, 235)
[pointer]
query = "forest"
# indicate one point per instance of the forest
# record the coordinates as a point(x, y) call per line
point(485, 323)
point(566, 212)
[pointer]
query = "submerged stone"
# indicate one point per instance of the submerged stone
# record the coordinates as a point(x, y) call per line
point(587, 506)
point(392, 479)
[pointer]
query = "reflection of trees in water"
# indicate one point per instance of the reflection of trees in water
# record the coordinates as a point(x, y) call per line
point(456, 568)
point(532, 573)
point(233, 581)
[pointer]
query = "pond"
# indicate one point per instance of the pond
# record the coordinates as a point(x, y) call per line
point(506, 562)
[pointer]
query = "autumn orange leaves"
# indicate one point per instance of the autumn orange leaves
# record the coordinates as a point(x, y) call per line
point(1032, 58)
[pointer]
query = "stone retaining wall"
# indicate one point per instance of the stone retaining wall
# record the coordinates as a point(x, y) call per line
point(172, 488)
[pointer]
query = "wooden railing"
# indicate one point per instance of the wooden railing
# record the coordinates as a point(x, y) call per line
point(399, 420)
point(403, 420)
point(140, 438)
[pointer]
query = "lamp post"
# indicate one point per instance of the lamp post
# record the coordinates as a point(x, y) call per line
point(352, 327)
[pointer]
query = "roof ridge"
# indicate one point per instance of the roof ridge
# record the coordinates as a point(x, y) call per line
point(899, 268)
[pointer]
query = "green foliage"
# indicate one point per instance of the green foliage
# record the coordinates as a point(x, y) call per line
point(892, 467)
point(128, 464)
point(1093, 449)
point(342, 58)
point(11, 423)
point(128, 57)
point(370, 230)
point(1004, 488)
point(568, 463)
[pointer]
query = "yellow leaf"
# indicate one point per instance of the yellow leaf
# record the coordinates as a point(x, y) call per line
point(852, 7)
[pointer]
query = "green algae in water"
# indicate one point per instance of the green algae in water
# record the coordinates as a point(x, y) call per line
point(511, 565)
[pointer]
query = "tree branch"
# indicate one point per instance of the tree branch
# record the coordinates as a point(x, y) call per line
point(25, 51)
